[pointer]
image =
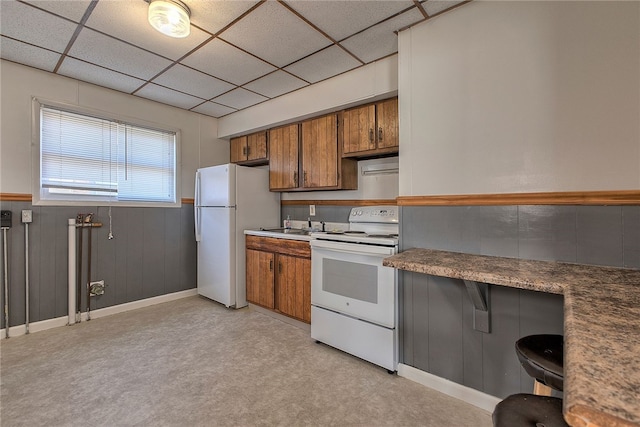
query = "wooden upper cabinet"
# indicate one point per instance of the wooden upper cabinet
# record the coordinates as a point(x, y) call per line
point(358, 130)
point(371, 130)
point(283, 162)
point(320, 152)
point(250, 149)
point(388, 130)
point(238, 149)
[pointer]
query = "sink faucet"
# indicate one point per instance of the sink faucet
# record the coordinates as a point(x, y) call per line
point(322, 222)
point(309, 221)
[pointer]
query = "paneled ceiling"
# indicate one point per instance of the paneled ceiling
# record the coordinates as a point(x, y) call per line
point(239, 53)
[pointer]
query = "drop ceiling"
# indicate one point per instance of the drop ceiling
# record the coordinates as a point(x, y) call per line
point(239, 53)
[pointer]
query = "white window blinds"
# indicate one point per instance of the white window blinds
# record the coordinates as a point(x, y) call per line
point(90, 158)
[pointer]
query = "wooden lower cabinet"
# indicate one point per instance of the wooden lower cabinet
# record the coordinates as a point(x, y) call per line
point(279, 275)
point(293, 287)
point(260, 278)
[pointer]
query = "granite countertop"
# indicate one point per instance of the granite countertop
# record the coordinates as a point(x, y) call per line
point(601, 322)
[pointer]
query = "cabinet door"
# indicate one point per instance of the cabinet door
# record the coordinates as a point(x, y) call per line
point(257, 146)
point(238, 149)
point(293, 294)
point(320, 152)
point(387, 117)
point(283, 162)
point(260, 278)
point(359, 129)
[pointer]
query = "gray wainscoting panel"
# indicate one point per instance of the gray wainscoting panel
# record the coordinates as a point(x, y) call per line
point(547, 233)
point(173, 246)
point(133, 253)
point(445, 328)
point(436, 314)
point(473, 342)
point(188, 251)
point(155, 245)
point(599, 235)
point(153, 253)
point(500, 368)
point(631, 236)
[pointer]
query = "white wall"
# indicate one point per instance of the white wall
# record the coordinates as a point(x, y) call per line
point(18, 84)
point(521, 96)
point(377, 80)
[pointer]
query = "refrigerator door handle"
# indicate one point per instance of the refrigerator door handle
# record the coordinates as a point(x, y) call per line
point(197, 195)
point(196, 212)
point(196, 208)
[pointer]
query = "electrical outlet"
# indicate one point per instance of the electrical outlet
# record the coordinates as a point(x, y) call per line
point(312, 210)
point(27, 216)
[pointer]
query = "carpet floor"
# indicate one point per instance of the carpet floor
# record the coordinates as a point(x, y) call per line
point(192, 362)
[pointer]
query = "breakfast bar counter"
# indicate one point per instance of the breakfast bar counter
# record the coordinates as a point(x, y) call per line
point(601, 324)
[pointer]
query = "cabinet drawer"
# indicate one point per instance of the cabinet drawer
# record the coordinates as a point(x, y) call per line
point(284, 246)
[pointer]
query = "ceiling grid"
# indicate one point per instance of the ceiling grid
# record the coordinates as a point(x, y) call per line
point(239, 53)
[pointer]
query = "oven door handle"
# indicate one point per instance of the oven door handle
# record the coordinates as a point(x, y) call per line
point(352, 248)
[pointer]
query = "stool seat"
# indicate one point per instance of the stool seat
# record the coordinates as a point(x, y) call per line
point(541, 356)
point(529, 410)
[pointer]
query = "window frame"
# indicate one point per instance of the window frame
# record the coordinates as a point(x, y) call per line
point(36, 105)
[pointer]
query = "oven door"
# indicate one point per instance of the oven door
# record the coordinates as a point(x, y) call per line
point(349, 278)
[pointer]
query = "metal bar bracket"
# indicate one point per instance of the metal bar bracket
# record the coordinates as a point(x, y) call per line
point(479, 294)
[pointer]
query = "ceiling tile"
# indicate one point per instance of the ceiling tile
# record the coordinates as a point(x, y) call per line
point(71, 9)
point(340, 19)
point(193, 82)
point(239, 98)
point(132, 26)
point(97, 75)
point(33, 26)
point(380, 40)
point(32, 56)
point(225, 62)
point(324, 64)
point(434, 6)
point(214, 15)
point(275, 34)
point(213, 109)
point(168, 96)
point(110, 53)
point(276, 84)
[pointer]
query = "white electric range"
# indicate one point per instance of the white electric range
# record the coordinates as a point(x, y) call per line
point(353, 296)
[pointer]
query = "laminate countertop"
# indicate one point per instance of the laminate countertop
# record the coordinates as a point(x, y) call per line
point(601, 325)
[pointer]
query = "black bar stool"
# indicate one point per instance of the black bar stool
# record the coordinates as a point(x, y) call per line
point(541, 356)
point(529, 410)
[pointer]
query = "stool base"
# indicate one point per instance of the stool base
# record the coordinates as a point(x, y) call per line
point(529, 410)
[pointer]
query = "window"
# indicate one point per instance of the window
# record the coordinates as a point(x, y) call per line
point(84, 158)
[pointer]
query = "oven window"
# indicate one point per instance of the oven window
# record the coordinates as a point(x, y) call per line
point(350, 279)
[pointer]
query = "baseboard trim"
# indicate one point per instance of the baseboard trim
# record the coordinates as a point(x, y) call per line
point(18, 330)
point(450, 388)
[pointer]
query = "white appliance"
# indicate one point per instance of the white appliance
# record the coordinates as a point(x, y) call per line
point(353, 296)
point(229, 199)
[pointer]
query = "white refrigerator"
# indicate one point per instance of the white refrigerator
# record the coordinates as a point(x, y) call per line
point(229, 199)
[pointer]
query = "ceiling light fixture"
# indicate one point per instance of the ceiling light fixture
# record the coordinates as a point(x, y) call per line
point(170, 17)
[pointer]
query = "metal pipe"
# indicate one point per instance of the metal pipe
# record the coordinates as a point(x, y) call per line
point(71, 266)
point(6, 283)
point(26, 276)
point(89, 268)
point(79, 223)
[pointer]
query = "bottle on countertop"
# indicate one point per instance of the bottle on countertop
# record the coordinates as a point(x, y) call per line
point(287, 222)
